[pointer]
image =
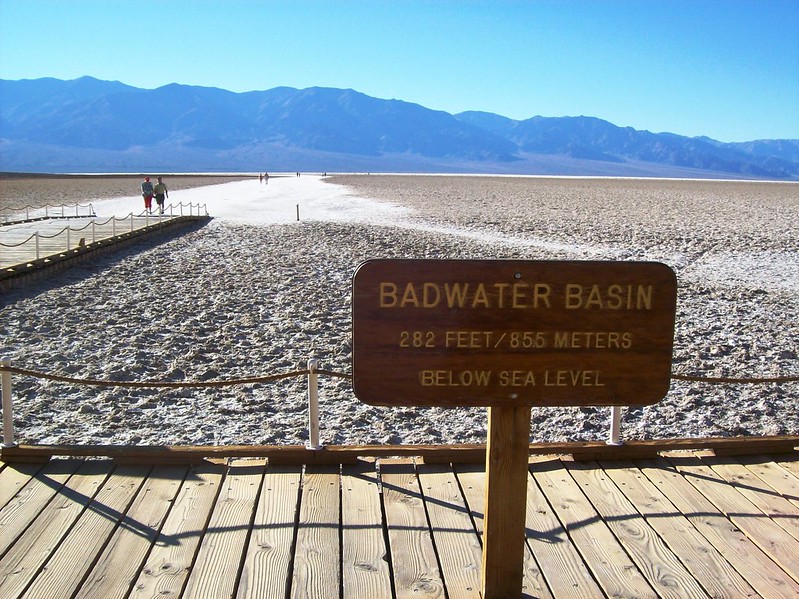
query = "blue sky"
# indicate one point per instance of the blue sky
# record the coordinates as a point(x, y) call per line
point(728, 69)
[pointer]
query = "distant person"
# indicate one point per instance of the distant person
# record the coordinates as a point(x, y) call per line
point(147, 193)
point(161, 193)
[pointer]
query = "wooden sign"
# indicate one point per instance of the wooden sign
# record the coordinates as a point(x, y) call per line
point(512, 333)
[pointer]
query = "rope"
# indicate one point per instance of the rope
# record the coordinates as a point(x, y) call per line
point(160, 217)
point(45, 207)
point(140, 384)
point(342, 375)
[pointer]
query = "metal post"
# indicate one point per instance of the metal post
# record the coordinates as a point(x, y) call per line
point(313, 405)
point(8, 416)
point(36, 237)
point(615, 426)
point(69, 244)
point(94, 231)
point(113, 226)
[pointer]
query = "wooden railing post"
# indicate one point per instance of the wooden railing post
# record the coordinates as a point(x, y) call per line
point(615, 426)
point(8, 412)
point(313, 404)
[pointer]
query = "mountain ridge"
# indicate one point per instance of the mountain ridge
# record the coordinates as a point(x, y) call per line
point(52, 125)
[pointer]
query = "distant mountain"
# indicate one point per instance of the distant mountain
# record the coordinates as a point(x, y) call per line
point(49, 125)
point(595, 139)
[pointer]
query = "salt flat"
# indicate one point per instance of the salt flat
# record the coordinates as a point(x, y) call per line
point(258, 292)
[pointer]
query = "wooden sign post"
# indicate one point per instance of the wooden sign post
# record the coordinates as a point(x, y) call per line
point(511, 334)
point(505, 501)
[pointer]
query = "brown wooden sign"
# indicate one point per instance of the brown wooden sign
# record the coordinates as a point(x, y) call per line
point(512, 333)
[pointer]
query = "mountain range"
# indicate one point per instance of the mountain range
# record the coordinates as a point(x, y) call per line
point(89, 125)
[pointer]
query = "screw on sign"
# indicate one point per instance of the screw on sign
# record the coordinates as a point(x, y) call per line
point(511, 334)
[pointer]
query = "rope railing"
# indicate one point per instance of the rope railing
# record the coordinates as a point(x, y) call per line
point(169, 384)
point(312, 372)
point(48, 210)
point(96, 228)
point(331, 373)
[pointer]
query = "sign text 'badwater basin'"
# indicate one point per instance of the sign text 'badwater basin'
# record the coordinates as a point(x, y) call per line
point(511, 332)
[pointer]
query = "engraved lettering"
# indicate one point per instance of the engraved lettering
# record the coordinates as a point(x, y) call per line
point(456, 295)
point(453, 378)
point(517, 378)
point(388, 295)
point(409, 297)
point(614, 297)
point(593, 340)
point(480, 297)
point(572, 378)
point(431, 295)
point(466, 295)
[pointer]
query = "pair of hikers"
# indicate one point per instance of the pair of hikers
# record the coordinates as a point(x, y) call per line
point(159, 190)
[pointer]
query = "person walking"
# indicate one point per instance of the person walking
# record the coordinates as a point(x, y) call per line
point(147, 194)
point(161, 192)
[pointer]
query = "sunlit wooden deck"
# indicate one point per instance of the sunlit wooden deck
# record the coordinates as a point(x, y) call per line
point(680, 524)
point(24, 259)
point(53, 243)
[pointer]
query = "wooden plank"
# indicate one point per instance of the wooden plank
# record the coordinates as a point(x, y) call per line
point(32, 550)
point(781, 547)
point(747, 483)
point(664, 571)
point(454, 535)
point(121, 561)
point(562, 566)
point(267, 564)
point(612, 568)
point(704, 562)
point(466, 453)
point(74, 558)
point(365, 571)
point(414, 565)
point(219, 559)
point(317, 557)
point(18, 513)
point(13, 477)
point(472, 481)
point(172, 557)
point(790, 463)
point(505, 502)
point(760, 572)
point(776, 475)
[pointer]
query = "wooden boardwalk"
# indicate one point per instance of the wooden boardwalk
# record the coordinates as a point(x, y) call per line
point(682, 524)
point(16, 252)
